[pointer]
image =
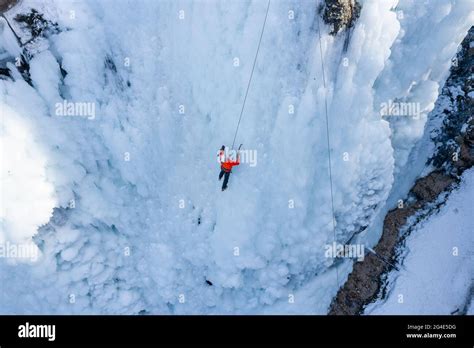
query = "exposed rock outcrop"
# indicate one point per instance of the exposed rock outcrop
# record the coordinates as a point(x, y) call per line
point(340, 14)
point(454, 154)
point(5, 5)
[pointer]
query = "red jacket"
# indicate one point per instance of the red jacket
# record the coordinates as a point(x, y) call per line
point(227, 164)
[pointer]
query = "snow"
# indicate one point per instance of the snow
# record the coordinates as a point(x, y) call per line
point(8, 39)
point(27, 196)
point(437, 271)
point(131, 183)
point(45, 75)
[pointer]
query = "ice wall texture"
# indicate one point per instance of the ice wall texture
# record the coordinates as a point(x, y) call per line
point(140, 222)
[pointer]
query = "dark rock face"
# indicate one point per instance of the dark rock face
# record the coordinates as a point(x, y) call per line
point(454, 141)
point(428, 188)
point(454, 154)
point(364, 282)
point(340, 14)
point(36, 24)
point(5, 5)
point(35, 27)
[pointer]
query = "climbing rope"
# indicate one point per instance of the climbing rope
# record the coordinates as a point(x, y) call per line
point(328, 144)
point(13, 30)
point(251, 75)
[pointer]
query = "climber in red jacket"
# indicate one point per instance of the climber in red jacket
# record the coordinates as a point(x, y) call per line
point(226, 166)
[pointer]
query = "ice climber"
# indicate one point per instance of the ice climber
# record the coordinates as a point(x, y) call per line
point(227, 162)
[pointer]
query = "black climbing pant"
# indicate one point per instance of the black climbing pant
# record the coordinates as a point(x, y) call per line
point(226, 175)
